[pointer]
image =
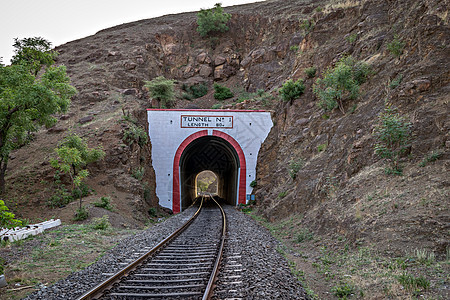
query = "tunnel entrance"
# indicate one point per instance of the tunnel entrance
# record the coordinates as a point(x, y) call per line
point(206, 183)
point(215, 155)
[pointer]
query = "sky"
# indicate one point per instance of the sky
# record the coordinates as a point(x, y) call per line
point(62, 21)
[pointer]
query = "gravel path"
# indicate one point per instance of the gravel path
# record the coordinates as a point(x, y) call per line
point(253, 269)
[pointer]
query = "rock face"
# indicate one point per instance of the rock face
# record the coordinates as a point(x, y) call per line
point(265, 46)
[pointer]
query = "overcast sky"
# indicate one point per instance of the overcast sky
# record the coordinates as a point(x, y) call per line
point(62, 21)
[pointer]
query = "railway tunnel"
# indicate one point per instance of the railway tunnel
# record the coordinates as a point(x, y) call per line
point(209, 153)
point(188, 142)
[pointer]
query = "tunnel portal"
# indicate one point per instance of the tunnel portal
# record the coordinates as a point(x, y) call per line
point(213, 154)
point(186, 142)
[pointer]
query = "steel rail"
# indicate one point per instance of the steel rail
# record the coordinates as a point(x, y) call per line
point(209, 287)
point(96, 291)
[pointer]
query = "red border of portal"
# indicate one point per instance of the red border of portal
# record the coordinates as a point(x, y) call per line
point(176, 205)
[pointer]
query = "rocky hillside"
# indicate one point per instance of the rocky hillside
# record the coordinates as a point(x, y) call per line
point(341, 188)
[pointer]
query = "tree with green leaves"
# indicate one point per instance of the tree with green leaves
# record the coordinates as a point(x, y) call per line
point(213, 20)
point(34, 53)
point(291, 90)
point(393, 133)
point(31, 92)
point(162, 89)
point(73, 155)
point(7, 219)
point(341, 83)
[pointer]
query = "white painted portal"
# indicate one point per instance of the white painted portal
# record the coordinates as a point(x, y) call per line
point(171, 131)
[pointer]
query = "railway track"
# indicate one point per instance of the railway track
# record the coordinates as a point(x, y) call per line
point(183, 266)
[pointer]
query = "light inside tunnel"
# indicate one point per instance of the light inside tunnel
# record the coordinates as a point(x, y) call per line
point(206, 183)
point(213, 154)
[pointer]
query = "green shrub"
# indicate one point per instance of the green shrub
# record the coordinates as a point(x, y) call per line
point(187, 96)
point(294, 48)
point(351, 38)
point(343, 290)
point(412, 283)
point(340, 83)
point(307, 25)
point(396, 46)
point(396, 82)
point(105, 202)
point(253, 184)
point(7, 219)
point(81, 214)
point(304, 235)
point(152, 211)
point(147, 192)
point(292, 90)
point(213, 20)
point(217, 106)
point(61, 198)
point(295, 166)
point(311, 72)
point(138, 173)
point(2, 265)
point(425, 257)
point(433, 156)
point(83, 190)
point(135, 134)
point(283, 194)
point(222, 92)
point(321, 147)
point(194, 91)
point(162, 89)
point(392, 134)
point(101, 223)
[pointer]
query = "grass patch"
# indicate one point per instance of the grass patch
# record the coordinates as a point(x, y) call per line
point(60, 252)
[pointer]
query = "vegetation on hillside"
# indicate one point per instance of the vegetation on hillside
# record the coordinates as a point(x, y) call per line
point(341, 83)
point(212, 21)
point(162, 89)
point(29, 98)
point(72, 157)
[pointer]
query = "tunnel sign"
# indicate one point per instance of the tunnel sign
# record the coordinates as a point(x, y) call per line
point(188, 121)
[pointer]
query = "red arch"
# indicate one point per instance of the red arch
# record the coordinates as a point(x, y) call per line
point(242, 164)
point(176, 205)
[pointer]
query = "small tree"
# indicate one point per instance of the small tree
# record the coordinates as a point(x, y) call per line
point(341, 83)
point(162, 89)
point(28, 100)
point(292, 90)
point(7, 219)
point(73, 155)
point(392, 133)
point(212, 20)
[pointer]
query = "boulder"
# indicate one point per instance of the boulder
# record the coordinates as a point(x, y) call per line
point(86, 119)
point(220, 60)
point(205, 71)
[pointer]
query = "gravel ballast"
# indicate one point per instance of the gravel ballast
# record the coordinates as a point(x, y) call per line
point(252, 268)
point(259, 271)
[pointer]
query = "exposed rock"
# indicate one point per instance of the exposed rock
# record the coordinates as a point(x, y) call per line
point(86, 119)
point(130, 92)
point(416, 86)
point(56, 129)
point(129, 65)
point(219, 72)
point(219, 60)
point(205, 71)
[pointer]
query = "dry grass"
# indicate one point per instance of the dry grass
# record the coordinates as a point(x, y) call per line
point(342, 4)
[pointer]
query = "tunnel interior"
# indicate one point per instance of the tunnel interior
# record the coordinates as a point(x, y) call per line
point(213, 154)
